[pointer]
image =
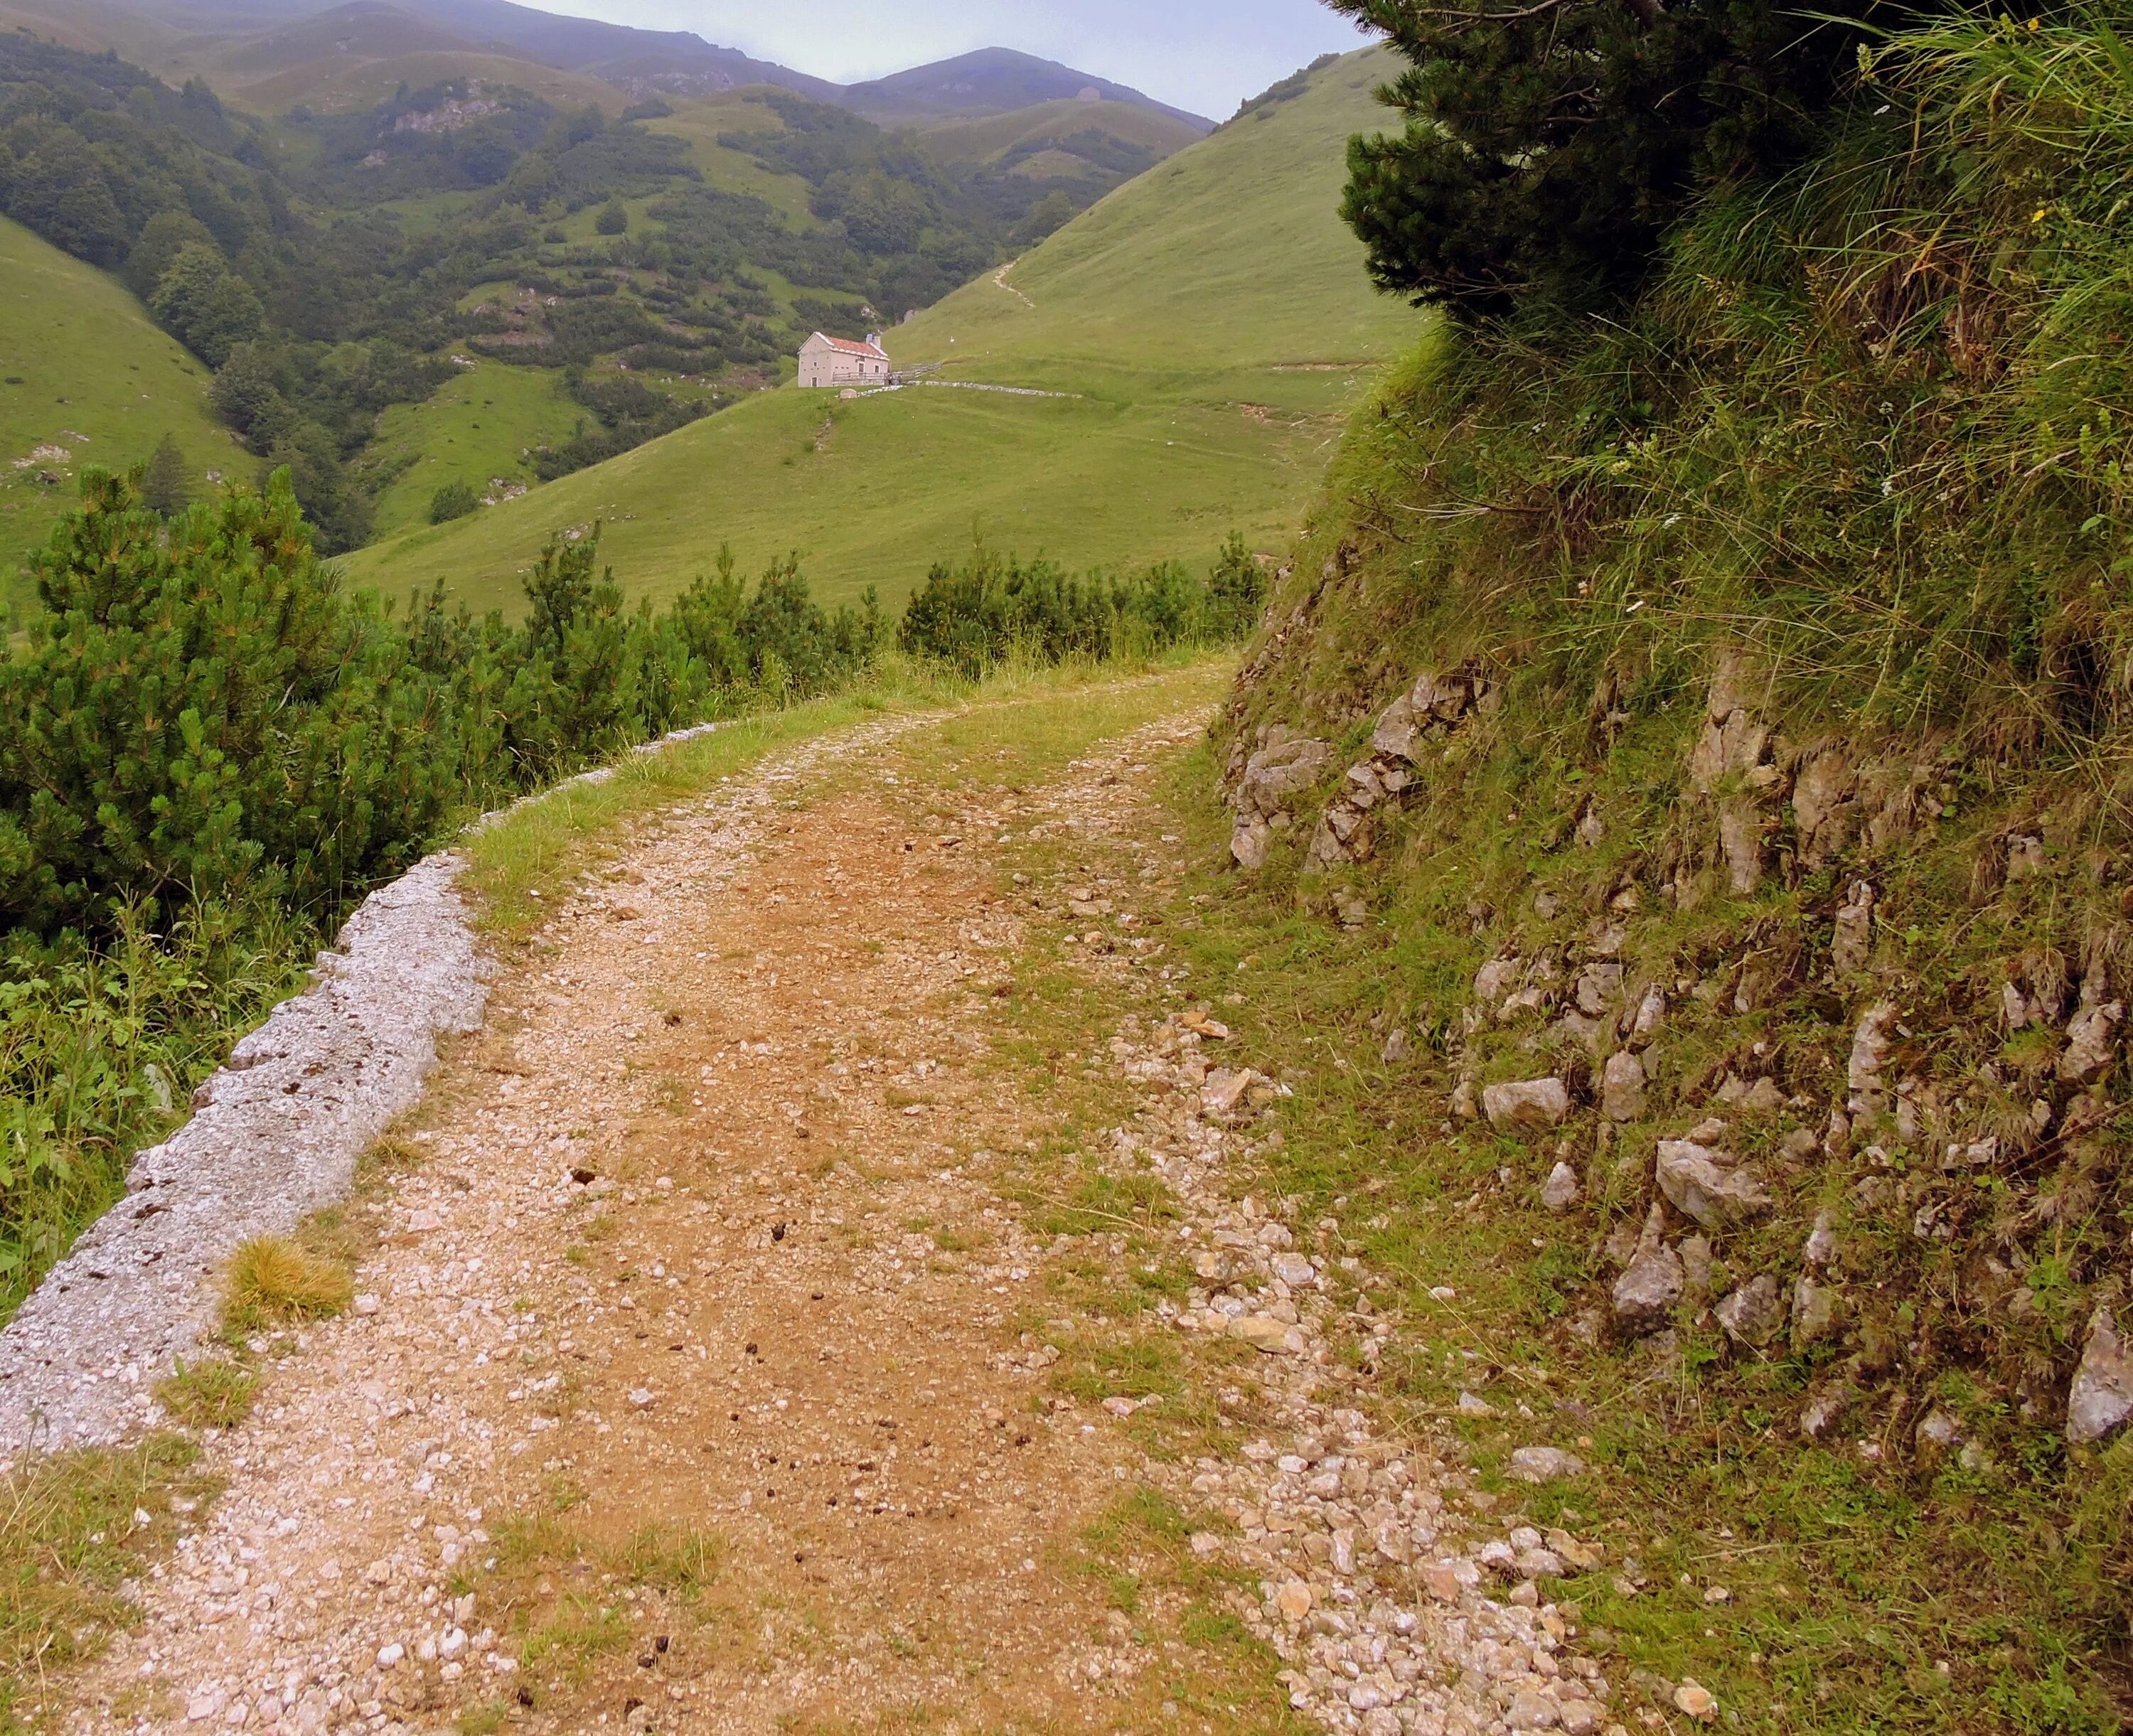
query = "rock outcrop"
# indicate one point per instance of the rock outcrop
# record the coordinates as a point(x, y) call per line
point(1285, 766)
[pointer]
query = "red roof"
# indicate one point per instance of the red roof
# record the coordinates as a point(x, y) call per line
point(872, 352)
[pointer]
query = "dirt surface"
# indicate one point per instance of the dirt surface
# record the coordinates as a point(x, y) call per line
point(722, 1367)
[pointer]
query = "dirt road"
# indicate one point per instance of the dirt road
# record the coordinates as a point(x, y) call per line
point(771, 1328)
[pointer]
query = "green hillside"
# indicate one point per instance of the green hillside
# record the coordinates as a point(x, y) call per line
point(1205, 381)
point(85, 377)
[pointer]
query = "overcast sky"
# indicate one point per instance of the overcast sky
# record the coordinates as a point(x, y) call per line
point(1207, 55)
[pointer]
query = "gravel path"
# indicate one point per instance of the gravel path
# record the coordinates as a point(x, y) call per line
point(275, 1134)
point(698, 1381)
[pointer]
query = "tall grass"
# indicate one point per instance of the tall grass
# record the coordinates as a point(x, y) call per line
point(100, 1051)
point(1873, 420)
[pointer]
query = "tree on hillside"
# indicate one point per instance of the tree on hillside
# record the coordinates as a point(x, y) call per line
point(205, 305)
point(165, 486)
point(1550, 142)
point(614, 218)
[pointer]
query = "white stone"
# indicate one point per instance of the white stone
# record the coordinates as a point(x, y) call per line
point(1526, 1106)
point(2102, 1398)
point(1544, 1464)
point(1560, 1191)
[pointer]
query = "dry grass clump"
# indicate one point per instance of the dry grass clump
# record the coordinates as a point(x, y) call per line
point(273, 1280)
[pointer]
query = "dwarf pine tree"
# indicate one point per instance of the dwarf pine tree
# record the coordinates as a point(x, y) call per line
point(164, 486)
point(199, 712)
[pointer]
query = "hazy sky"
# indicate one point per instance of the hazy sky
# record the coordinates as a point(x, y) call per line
point(1207, 55)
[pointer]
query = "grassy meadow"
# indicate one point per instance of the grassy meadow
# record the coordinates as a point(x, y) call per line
point(1210, 320)
point(471, 430)
point(84, 372)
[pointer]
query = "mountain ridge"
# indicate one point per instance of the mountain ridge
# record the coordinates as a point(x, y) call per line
point(217, 38)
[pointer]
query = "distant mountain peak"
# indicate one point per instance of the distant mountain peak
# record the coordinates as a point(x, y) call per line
point(993, 81)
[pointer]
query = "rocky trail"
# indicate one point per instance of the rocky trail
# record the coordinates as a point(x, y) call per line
point(783, 1317)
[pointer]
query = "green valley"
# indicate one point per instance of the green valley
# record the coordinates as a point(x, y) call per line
point(1206, 325)
point(86, 378)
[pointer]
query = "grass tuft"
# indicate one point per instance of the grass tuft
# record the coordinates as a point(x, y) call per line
point(273, 1280)
point(214, 1394)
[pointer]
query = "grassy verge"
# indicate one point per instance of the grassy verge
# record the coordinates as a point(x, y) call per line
point(76, 1531)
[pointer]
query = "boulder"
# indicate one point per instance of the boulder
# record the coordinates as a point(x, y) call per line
point(1526, 1106)
point(1645, 1293)
point(1753, 1314)
point(2102, 1398)
point(1711, 1186)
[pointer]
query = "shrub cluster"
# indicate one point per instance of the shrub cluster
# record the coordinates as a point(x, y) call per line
point(992, 608)
point(208, 750)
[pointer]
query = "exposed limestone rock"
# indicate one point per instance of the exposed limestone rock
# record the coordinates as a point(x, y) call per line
point(1622, 1088)
point(1698, 1261)
point(1526, 1106)
point(2091, 1034)
point(1429, 711)
point(2102, 1398)
point(1544, 1464)
point(1599, 989)
point(1730, 762)
point(1713, 1187)
point(1822, 808)
point(1651, 1013)
point(1753, 1314)
point(1814, 1313)
point(1560, 1192)
point(1751, 1097)
point(1892, 796)
point(1870, 1053)
point(1854, 942)
point(1646, 1294)
point(1286, 765)
point(1434, 706)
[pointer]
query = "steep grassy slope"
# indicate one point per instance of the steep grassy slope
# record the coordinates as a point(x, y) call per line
point(701, 121)
point(85, 377)
point(1225, 275)
point(1682, 795)
point(473, 430)
point(992, 137)
point(1202, 377)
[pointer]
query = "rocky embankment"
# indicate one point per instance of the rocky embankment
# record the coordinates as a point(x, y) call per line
point(1770, 1070)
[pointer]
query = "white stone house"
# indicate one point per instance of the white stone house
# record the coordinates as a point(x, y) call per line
point(827, 363)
